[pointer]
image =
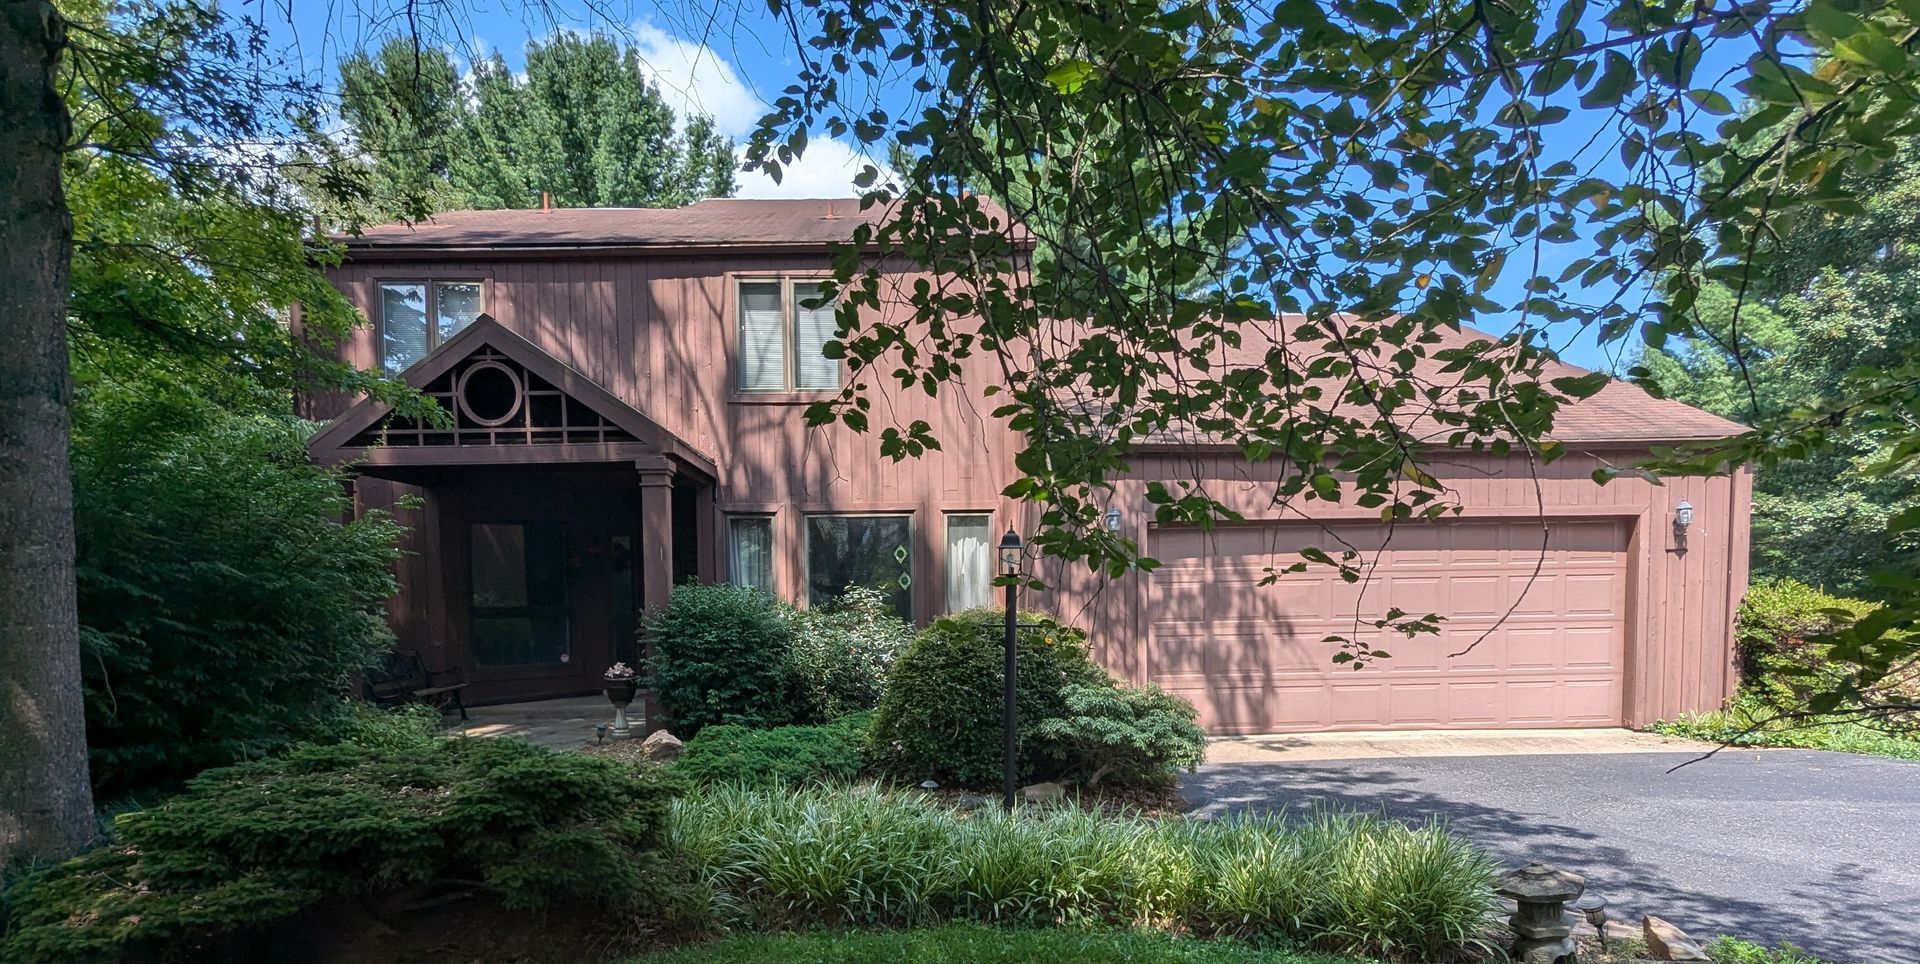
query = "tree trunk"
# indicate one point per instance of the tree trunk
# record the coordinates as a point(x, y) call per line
point(46, 808)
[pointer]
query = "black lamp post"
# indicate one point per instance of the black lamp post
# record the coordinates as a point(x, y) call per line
point(1010, 547)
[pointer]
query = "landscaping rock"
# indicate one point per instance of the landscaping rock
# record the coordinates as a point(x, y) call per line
point(1666, 942)
point(1044, 793)
point(661, 747)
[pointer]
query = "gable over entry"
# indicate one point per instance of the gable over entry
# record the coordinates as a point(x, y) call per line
point(552, 511)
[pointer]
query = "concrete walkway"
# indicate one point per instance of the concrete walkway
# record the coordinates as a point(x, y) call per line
point(1310, 747)
point(563, 724)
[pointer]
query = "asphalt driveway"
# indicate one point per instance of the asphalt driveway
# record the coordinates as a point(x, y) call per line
point(1821, 849)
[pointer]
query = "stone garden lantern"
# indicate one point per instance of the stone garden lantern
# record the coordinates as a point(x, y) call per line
point(1542, 933)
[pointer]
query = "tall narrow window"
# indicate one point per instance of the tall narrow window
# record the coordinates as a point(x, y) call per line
point(871, 551)
point(783, 338)
point(812, 329)
point(969, 561)
point(750, 554)
point(416, 316)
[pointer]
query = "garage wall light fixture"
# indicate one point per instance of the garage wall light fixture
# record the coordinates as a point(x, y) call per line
point(1113, 520)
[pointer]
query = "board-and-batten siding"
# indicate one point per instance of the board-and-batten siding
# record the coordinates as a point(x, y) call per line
point(658, 333)
point(1680, 604)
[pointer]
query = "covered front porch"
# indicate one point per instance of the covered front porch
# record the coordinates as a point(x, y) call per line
point(543, 515)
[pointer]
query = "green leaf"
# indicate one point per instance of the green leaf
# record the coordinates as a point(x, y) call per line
point(1071, 76)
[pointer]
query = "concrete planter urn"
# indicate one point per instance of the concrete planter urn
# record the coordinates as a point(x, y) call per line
point(1542, 934)
point(621, 687)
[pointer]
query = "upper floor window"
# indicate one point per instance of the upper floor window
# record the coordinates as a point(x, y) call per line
point(416, 316)
point(782, 341)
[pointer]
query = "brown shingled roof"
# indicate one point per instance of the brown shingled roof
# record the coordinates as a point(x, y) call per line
point(716, 222)
point(1620, 412)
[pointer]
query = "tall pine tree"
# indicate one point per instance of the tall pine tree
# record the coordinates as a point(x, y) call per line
point(584, 124)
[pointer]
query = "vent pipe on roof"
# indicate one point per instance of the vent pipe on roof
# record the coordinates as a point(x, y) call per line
point(546, 202)
point(830, 215)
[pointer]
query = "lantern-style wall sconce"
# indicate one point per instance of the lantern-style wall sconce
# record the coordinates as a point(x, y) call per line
point(1682, 516)
point(1112, 518)
point(1010, 547)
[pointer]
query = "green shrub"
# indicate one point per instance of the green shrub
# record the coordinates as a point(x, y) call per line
point(1746, 721)
point(1733, 950)
point(223, 603)
point(940, 716)
point(407, 726)
point(252, 844)
point(723, 654)
point(1137, 735)
point(788, 756)
point(843, 649)
point(857, 857)
point(1776, 634)
point(974, 944)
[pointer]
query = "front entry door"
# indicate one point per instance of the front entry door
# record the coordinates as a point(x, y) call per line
point(541, 579)
point(518, 600)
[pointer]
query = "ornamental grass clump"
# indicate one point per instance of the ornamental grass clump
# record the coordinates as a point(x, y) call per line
point(844, 856)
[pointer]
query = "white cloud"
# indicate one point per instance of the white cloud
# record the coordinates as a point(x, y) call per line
point(827, 169)
point(694, 79)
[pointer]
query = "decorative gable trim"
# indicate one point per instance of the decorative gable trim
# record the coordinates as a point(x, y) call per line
point(506, 401)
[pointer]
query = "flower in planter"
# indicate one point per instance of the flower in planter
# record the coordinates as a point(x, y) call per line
point(620, 671)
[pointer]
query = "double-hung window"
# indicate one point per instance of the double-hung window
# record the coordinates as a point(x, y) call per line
point(416, 316)
point(783, 340)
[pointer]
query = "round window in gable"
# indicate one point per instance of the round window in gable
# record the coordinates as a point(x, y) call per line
point(489, 393)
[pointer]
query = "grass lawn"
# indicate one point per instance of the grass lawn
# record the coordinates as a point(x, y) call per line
point(976, 944)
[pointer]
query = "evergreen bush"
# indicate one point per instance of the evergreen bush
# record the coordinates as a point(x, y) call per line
point(724, 654)
point(940, 716)
point(786, 756)
point(252, 844)
point(223, 602)
point(1777, 630)
point(1137, 735)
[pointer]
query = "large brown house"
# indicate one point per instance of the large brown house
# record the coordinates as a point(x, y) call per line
point(626, 390)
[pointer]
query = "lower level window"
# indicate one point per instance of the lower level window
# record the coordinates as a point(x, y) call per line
point(874, 551)
point(750, 551)
point(518, 595)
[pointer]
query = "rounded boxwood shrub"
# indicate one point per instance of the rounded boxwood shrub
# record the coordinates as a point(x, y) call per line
point(1135, 735)
point(249, 845)
point(940, 716)
point(723, 654)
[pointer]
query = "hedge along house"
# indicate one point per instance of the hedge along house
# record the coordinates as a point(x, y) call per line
point(625, 392)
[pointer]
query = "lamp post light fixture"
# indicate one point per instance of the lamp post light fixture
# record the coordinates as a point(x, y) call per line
point(1010, 547)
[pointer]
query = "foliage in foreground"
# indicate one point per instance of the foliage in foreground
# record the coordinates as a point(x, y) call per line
point(223, 603)
point(1733, 950)
point(843, 649)
point(976, 944)
point(1747, 722)
point(256, 843)
point(723, 654)
point(733, 655)
point(940, 717)
point(785, 756)
point(846, 857)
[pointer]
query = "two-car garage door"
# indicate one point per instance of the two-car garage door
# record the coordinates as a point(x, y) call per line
point(1542, 626)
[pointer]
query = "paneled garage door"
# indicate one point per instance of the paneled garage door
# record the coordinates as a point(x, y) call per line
point(1253, 659)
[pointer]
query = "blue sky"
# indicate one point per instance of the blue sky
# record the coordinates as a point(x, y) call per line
point(729, 58)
